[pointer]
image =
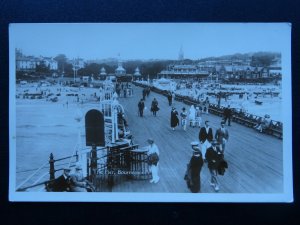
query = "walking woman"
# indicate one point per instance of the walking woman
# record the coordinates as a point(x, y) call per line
point(154, 106)
point(198, 119)
point(192, 176)
point(192, 116)
point(153, 158)
point(183, 115)
point(174, 118)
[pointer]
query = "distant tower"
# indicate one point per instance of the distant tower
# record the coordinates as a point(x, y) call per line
point(181, 55)
point(137, 72)
point(102, 72)
point(120, 70)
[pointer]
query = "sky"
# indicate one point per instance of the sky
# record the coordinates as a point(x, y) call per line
point(148, 40)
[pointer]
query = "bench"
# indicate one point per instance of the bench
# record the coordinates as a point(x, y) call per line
point(246, 119)
point(179, 98)
point(275, 129)
point(189, 101)
point(214, 109)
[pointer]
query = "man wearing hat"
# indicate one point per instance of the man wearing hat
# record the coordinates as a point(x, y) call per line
point(78, 183)
point(62, 183)
point(192, 175)
point(222, 136)
point(212, 156)
point(153, 155)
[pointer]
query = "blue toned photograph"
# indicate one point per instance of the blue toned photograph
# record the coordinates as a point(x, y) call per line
point(150, 112)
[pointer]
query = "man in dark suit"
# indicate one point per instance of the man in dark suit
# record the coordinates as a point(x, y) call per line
point(141, 106)
point(205, 137)
point(227, 115)
point(62, 183)
point(213, 156)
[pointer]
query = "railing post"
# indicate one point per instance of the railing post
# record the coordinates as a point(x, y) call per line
point(93, 160)
point(52, 170)
point(77, 156)
point(88, 168)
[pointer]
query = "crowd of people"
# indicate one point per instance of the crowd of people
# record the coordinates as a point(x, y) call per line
point(209, 150)
point(124, 89)
point(211, 146)
point(215, 163)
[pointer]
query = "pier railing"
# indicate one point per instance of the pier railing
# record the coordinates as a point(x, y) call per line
point(275, 128)
point(105, 167)
point(41, 173)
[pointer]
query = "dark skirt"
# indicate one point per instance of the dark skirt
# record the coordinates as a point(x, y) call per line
point(174, 120)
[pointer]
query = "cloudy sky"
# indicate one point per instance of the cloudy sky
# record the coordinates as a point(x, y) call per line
point(148, 40)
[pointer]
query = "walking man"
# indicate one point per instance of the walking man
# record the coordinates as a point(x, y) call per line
point(141, 107)
point(169, 96)
point(227, 115)
point(205, 137)
point(222, 136)
point(213, 155)
point(206, 105)
point(144, 94)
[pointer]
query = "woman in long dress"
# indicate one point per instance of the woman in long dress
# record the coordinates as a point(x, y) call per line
point(153, 149)
point(154, 106)
point(174, 118)
point(198, 119)
point(183, 115)
point(192, 176)
point(192, 116)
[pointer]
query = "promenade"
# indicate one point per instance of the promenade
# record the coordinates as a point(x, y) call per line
point(255, 160)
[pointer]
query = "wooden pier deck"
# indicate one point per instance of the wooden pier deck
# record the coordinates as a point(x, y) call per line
point(255, 160)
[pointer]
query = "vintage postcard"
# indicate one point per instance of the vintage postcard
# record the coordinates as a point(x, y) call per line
point(150, 112)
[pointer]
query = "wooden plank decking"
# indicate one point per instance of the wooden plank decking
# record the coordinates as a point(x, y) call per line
point(255, 160)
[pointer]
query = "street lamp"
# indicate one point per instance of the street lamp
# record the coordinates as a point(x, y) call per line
point(75, 68)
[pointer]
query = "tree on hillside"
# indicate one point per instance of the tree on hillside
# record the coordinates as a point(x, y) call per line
point(68, 69)
point(61, 62)
point(262, 59)
point(89, 69)
point(42, 68)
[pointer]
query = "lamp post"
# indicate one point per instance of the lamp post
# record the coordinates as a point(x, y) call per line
point(75, 68)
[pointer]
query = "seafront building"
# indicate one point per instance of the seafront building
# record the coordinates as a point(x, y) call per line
point(224, 69)
point(29, 63)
